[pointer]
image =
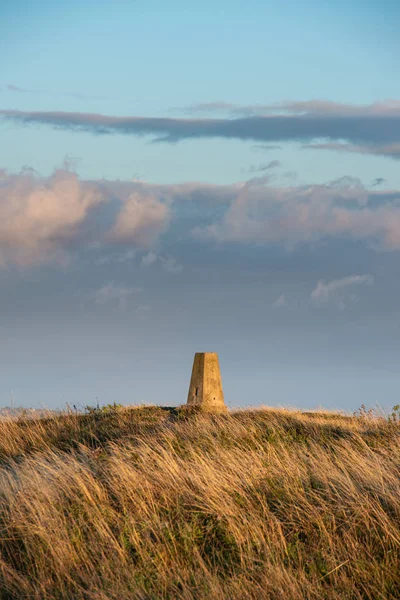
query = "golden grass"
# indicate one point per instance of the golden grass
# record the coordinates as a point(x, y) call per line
point(149, 504)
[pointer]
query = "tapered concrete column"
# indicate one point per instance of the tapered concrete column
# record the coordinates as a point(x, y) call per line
point(205, 390)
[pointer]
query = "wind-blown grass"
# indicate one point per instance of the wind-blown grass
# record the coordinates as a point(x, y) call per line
point(149, 503)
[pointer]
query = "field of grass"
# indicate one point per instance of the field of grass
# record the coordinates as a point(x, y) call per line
point(148, 503)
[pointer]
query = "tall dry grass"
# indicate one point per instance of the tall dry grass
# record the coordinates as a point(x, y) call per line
point(147, 503)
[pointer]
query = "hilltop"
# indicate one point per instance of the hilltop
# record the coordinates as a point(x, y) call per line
point(149, 503)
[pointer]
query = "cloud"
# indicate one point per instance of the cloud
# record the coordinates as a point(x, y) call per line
point(142, 218)
point(324, 291)
point(388, 107)
point(265, 147)
point(388, 150)
point(42, 219)
point(148, 259)
point(15, 88)
point(264, 166)
point(371, 129)
point(209, 107)
point(290, 216)
point(290, 175)
point(78, 96)
point(279, 302)
point(378, 181)
point(384, 108)
point(168, 264)
point(112, 293)
point(47, 219)
point(119, 257)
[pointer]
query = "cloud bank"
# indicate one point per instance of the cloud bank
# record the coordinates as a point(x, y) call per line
point(47, 219)
point(307, 214)
point(372, 129)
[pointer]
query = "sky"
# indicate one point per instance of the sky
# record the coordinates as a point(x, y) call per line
point(219, 177)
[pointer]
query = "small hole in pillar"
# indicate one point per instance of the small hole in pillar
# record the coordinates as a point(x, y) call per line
point(197, 392)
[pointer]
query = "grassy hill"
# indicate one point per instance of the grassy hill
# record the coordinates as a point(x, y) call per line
point(154, 503)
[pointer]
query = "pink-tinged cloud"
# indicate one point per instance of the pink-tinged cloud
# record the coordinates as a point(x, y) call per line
point(48, 219)
point(142, 219)
point(40, 218)
point(306, 214)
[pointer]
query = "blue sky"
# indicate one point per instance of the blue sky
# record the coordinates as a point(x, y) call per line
point(218, 177)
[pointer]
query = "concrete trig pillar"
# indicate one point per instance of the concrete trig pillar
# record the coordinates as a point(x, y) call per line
point(205, 390)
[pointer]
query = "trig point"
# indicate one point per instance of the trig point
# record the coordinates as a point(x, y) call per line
point(205, 390)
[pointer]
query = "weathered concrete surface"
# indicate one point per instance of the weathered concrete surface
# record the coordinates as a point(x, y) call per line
point(205, 390)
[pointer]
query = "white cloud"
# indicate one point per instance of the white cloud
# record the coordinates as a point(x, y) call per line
point(148, 259)
point(120, 257)
point(325, 290)
point(281, 301)
point(112, 293)
point(168, 264)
